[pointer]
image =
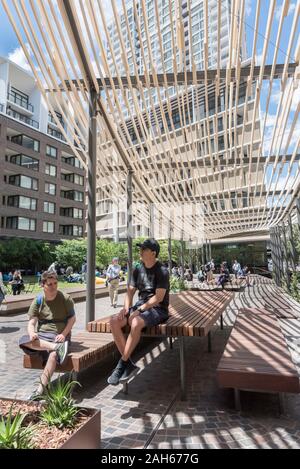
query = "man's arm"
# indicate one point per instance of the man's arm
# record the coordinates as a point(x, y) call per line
point(154, 301)
point(31, 328)
point(128, 301)
point(62, 337)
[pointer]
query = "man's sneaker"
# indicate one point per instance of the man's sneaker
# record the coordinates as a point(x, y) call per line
point(130, 371)
point(114, 378)
point(62, 352)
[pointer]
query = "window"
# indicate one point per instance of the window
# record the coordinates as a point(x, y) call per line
point(77, 230)
point(49, 207)
point(26, 142)
point(51, 170)
point(22, 202)
point(20, 223)
point(24, 181)
point(48, 227)
point(50, 188)
point(51, 151)
point(71, 212)
point(78, 213)
point(25, 161)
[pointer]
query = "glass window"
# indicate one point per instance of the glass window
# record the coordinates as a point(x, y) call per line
point(78, 213)
point(27, 202)
point(20, 223)
point(26, 142)
point(50, 188)
point(51, 170)
point(78, 196)
point(48, 227)
point(77, 230)
point(25, 161)
point(51, 151)
point(49, 207)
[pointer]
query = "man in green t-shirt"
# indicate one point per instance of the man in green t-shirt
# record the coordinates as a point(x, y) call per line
point(51, 318)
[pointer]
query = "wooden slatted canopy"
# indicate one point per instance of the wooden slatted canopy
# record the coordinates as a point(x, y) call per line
point(223, 130)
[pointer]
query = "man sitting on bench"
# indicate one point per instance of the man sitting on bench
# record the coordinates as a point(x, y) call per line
point(53, 313)
point(151, 279)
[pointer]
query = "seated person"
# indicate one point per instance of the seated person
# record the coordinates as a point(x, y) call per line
point(17, 283)
point(151, 279)
point(51, 318)
point(201, 275)
point(224, 275)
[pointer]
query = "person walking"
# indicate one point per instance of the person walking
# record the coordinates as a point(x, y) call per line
point(113, 279)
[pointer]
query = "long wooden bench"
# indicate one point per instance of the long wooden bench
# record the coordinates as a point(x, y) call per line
point(191, 314)
point(256, 357)
point(86, 349)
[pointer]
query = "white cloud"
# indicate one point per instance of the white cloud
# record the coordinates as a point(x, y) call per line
point(279, 9)
point(19, 58)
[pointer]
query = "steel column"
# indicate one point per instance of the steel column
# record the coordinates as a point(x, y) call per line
point(129, 225)
point(91, 215)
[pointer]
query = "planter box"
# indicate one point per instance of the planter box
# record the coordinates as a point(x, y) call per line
point(88, 436)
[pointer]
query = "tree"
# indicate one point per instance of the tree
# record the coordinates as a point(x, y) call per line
point(71, 253)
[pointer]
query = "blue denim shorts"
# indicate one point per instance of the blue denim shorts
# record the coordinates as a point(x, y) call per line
point(152, 316)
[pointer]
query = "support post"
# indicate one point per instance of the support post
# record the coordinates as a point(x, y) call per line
point(298, 212)
point(293, 248)
point(129, 225)
point(182, 258)
point(286, 256)
point(182, 368)
point(170, 248)
point(210, 255)
point(91, 216)
point(151, 220)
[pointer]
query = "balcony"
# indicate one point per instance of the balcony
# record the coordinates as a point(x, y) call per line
point(20, 101)
point(52, 120)
point(56, 134)
point(20, 117)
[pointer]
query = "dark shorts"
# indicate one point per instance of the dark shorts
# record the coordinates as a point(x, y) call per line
point(152, 316)
point(44, 354)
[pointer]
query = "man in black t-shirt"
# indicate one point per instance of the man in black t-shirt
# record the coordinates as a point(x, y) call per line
point(151, 279)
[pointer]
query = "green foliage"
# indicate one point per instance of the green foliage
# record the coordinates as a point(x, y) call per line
point(71, 252)
point(294, 289)
point(12, 434)
point(177, 284)
point(60, 410)
point(25, 254)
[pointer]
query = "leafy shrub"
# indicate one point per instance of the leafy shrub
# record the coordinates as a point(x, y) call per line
point(12, 434)
point(177, 284)
point(59, 410)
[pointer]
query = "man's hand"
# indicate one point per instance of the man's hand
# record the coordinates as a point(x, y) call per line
point(60, 338)
point(33, 336)
point(122, 313)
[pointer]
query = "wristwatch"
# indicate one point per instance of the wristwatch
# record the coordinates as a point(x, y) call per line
point(140, 310)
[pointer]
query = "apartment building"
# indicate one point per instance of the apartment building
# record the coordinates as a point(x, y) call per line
point(185, 123)
point(42, 183)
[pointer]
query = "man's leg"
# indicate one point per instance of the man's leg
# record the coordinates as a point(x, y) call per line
point(115, 286)
point(40, 345)
point(111, 293)
point(116, 326)
point(48, 372)
point(133, 339)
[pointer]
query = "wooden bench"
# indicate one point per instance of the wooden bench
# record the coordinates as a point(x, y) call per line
point(86, 349)
point(191, 314)
point(256, 357)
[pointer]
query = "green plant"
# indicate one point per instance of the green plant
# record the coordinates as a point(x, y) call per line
point(12, 434)
point(59, 410)
point(295, 293)
point(177, 284)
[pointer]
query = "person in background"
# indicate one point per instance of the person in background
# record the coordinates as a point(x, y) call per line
point(84, 271)
point(53, 266)
point(236, 267)
point(51, 318)
point(17, 283)
point(2, 289)
point(113, 279)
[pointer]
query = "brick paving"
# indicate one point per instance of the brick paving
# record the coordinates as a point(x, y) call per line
point(152, 415)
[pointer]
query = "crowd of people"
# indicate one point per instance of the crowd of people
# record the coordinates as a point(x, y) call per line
point(206, 272)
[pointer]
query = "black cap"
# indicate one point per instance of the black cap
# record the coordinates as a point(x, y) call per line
point(151, 244)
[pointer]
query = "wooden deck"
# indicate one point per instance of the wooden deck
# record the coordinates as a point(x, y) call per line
point(256, 356)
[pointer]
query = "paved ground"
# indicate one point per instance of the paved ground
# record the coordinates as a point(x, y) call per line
point(152, 415)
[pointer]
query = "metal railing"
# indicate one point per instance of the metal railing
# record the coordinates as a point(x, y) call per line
point(22, 118)
point(20, 101)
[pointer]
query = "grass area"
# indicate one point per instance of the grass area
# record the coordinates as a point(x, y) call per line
point(62, 285)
